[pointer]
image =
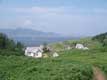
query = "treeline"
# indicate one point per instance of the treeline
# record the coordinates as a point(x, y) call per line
point(9, 47)
point(102, 38)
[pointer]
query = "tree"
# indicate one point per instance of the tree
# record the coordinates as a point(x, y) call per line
point(3, 39)
point(19, 45)
point(45, 48)
point(9, 47)
point(10, 44)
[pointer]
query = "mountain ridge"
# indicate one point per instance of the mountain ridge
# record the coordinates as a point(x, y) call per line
point(31, 37)
point(28, 32)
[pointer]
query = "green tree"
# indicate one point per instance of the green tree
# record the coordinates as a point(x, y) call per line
point(10, 44)
point(3, 39)
point(45, 48)
point(19, 45)
point(9, 47)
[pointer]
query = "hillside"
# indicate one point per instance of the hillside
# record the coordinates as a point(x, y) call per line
point(23, 68)
point(71, 43)
point(72, 64)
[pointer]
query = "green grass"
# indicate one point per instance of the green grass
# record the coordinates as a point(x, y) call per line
point(92, 57)
point(88, 42)
point(23, 68)
point(70, 65)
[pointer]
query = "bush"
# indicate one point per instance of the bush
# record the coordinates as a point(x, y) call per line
point(9, 53)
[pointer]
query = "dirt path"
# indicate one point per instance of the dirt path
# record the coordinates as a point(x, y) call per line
point(98, 74)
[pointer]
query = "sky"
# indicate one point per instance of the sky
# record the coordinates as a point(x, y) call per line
point(67, 17)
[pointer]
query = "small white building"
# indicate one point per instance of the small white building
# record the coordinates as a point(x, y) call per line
point(81, 46)
point(35, 52)
point(55, 54)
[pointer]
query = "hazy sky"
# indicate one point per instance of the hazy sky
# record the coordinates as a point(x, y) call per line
point(70, 17)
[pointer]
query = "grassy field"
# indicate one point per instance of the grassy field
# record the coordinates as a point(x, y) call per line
point(85, 41)
point(23, 68)
point(94, 58)
point(70, 65)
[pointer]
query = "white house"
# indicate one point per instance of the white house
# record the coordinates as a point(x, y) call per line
point(55, 54)
point(35, 52)
point(81, 46)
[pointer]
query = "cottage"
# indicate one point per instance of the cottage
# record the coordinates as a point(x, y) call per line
point(55, 54)
point(35, 52)
point(81, 46)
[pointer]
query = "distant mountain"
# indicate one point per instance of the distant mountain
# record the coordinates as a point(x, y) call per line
point(21, 32)
point(32, 37)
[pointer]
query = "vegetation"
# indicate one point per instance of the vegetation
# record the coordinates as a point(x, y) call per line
point(57, 46)
point(23, 68)
point(9, 47)
point(45, 48)
point(88, 42)
point(91, 57)
point(70, 65)
point(102, 38)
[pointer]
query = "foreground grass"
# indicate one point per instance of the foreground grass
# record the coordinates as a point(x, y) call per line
point(71, 65)
point(94, 58)
point(23, 68)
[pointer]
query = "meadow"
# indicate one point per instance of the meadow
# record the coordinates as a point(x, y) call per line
point(93, 58)
point(72, 64)
point(24, 68)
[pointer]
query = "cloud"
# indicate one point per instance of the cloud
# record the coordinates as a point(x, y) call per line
point(31, 10)
point(39, 10)
point(60, 10)
point(66, 20)
point(27, 23)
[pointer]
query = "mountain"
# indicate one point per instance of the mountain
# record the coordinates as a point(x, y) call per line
point(21, 32)
point(31, 37)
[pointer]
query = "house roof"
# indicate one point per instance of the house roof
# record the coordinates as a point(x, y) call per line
point(33, 49)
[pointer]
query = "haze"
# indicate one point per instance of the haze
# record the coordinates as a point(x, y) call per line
point(68, 17)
